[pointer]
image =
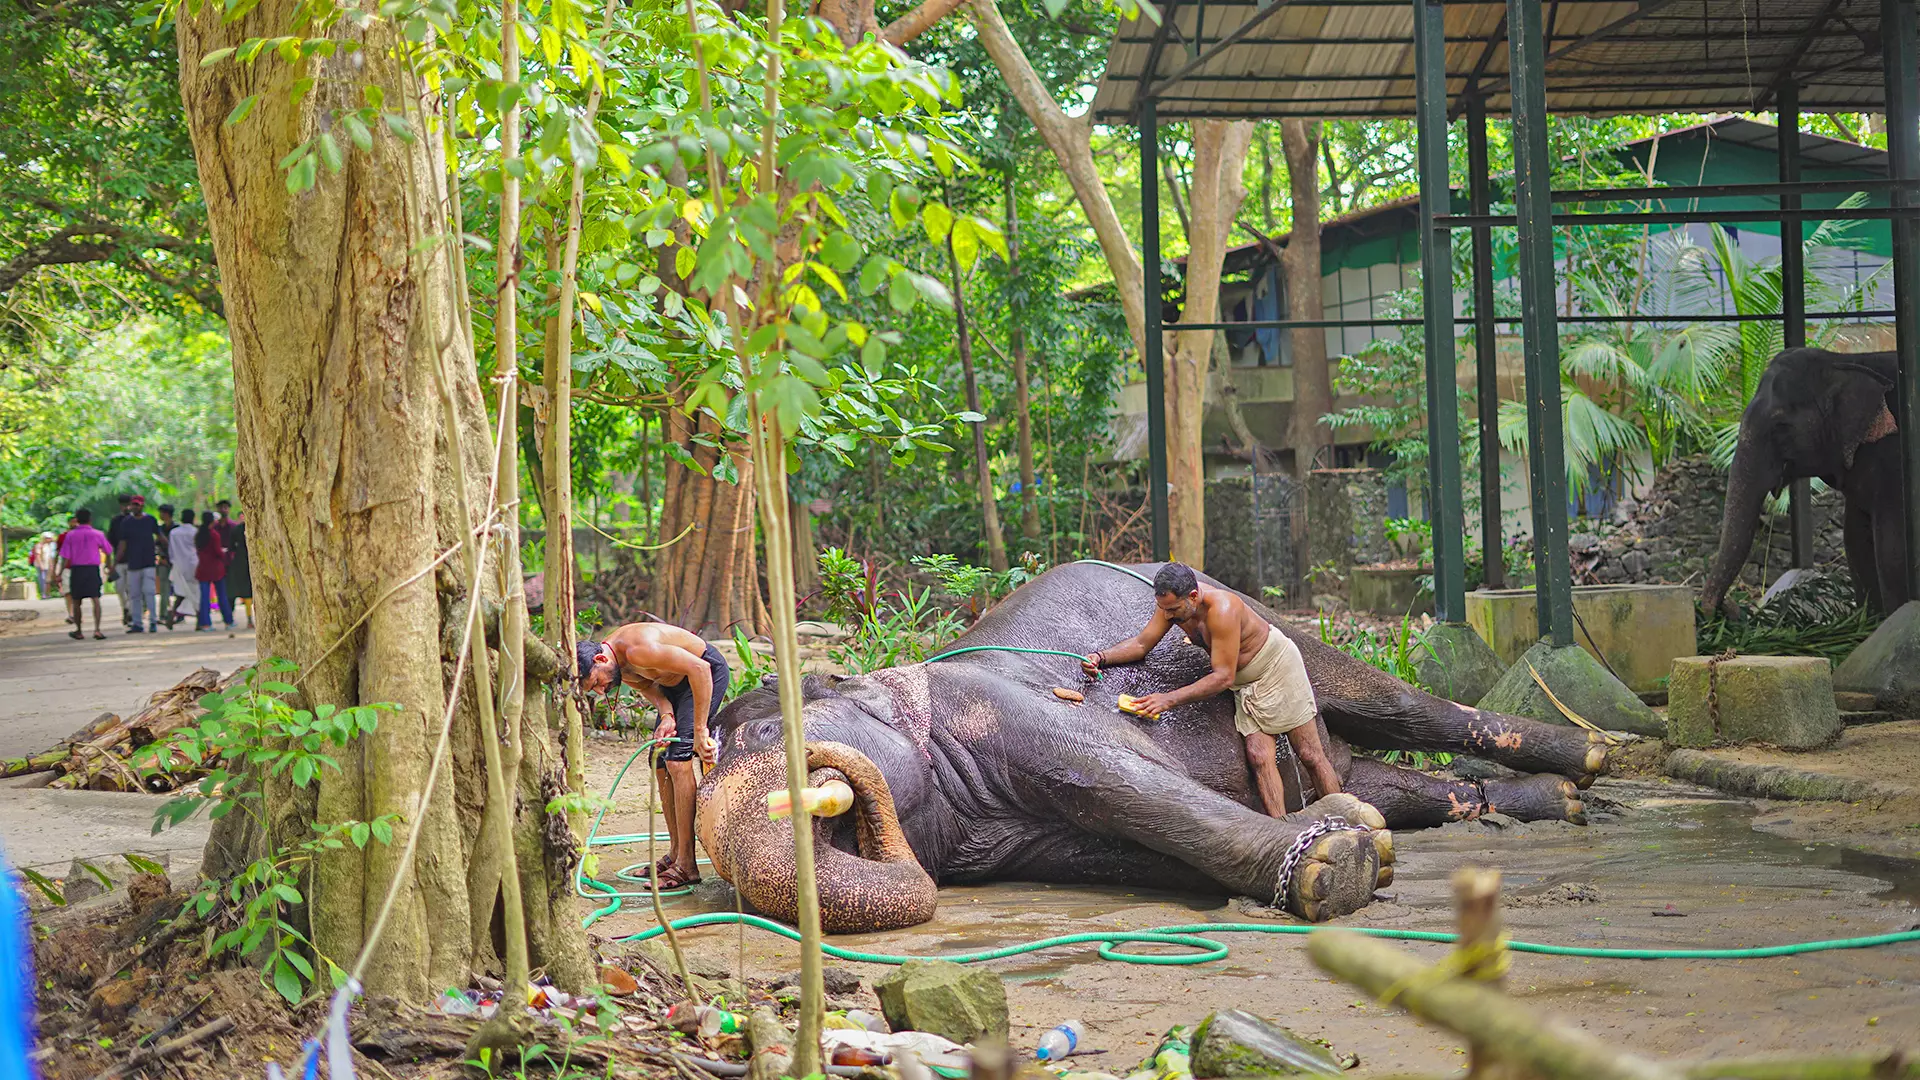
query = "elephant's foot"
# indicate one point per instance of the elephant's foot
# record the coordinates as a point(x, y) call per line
point(1536, 798)
point(1339, 870)
point(1596, 763)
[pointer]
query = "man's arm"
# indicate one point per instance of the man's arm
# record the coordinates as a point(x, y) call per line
point(699, 678)
point(1223, 630)
point(1134, 649)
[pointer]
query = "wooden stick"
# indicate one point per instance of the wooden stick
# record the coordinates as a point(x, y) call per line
point(1476, 900)
point(1544, 1045)
point(168, 1049)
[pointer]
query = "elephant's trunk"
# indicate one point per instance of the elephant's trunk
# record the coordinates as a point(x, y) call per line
point(1755, 474)
point(882, 887)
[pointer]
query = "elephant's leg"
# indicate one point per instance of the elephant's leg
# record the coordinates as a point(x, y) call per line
point(1890, 557)
point(1410, 799)
point(1411, 720)
point(1857, 530)
point(1114, 786)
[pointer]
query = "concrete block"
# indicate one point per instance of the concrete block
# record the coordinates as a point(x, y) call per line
point(1637, 630)
point(1887, 664)
point(1759, 781)
point(1784, 701)
point(945, 999)
point(1456, 663)
point(1389, 590)
point(1580, 682)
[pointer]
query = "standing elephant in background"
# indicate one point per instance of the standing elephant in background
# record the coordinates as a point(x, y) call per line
point(1828, 415)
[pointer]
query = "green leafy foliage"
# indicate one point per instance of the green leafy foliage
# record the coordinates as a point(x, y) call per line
point(253, 730)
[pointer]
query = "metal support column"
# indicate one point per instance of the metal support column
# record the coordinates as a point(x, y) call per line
point(1900, 58)
point(1486, 346)
point(1539, 329)
point(1793, 296)
point(1436, 278)
point(1153, 345)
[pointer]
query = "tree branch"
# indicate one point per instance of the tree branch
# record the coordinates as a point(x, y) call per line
point(918, 21)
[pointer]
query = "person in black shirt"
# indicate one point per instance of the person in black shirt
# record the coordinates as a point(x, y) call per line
point(118, 571)
point(136, 551)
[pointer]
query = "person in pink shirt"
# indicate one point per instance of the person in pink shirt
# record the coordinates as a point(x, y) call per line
point(83, 551)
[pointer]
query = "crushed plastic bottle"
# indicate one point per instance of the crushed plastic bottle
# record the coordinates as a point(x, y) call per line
point(454, 1002)
point(867, 1020)
point(1060, 1040)
point(704, 1020)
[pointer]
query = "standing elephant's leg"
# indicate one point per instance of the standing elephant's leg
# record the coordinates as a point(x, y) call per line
point(1110, 781)
point(1858, 531)
point(1890, 556)
point(1410, 799)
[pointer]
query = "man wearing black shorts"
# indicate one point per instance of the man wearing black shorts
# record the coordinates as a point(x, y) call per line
point(685, 679)
point(83, 551)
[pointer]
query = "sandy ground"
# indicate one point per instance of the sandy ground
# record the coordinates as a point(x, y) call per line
point(1665, 848)
point(50, 685)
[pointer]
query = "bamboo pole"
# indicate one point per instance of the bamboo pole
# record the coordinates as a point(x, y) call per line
point(506, 369)
point(1544, 1046)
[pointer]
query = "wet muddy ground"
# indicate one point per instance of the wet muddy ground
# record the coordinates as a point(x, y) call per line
point(1689, 854)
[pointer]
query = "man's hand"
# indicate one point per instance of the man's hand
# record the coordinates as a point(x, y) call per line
point(704, 745)
point(1090, 664)
point(1153, 704)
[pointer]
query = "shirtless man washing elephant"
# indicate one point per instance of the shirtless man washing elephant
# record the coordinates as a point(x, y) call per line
point(1251, 657)
point(685, 679)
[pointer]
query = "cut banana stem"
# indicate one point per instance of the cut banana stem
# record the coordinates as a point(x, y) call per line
point(830, 799)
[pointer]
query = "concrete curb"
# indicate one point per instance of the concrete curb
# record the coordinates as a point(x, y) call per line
point(1774, 781)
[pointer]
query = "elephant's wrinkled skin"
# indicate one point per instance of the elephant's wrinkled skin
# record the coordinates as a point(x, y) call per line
point(1830, 415)
point(972, 769)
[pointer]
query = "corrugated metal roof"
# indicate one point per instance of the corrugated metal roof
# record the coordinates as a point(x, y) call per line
point(1347, 58)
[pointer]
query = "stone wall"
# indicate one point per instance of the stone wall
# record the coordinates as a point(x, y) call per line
point(1346, 518)
point(1235, 555)
point(1671, 534)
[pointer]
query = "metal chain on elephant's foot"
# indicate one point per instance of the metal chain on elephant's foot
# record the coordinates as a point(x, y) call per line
point(1298, 850)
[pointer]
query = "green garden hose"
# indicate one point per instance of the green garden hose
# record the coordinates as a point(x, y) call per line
point(615, 896)
point(1192, 936)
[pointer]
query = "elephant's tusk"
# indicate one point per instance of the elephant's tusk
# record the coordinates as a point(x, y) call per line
point(831, 799)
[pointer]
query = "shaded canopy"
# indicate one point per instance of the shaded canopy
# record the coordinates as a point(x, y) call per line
point(1354, 58)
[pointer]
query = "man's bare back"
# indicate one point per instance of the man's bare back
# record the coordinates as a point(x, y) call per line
point(641, 650)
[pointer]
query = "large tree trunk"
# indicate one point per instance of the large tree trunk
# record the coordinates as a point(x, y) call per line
point(1312, 380)
point(709, 580)
point(1219, 155)
point(339, 314)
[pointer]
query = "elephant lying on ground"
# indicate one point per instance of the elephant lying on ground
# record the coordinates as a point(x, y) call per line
point(972, 769)
point(1830, 415)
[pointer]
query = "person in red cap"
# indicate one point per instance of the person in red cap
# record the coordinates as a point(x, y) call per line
point(136, 551)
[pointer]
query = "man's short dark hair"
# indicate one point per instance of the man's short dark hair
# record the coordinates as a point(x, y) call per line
point(1175, 579)
point(586, 651)
point(166, 508)
point(125, 499)
point(187, 515)
point(83, 515)
point(223, 504)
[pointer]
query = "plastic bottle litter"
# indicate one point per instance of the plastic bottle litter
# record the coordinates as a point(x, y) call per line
point(457, 1003)
point(1060, 1040)
point(704, 1020)
point(858, 1055)
point(867, 1020)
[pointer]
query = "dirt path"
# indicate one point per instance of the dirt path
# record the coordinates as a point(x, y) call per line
point(1672, 849)
point(50, 685)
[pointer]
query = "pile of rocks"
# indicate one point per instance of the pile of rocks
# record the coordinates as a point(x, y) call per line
point(1671, 534)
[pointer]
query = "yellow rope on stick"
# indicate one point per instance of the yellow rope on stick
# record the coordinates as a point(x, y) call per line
point(1486, 960)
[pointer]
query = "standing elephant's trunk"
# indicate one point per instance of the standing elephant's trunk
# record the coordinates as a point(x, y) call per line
point(881, 887)
point(1756, 473)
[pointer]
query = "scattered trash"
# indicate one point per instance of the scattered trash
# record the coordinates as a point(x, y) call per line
point(930, 1050)
point(867, 1020)
point(704, 1020)
point(1059, 1041)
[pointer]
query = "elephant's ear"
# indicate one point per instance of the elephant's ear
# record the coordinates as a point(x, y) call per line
point(1861, 415)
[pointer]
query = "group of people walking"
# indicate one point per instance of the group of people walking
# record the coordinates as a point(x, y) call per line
point(166, 571)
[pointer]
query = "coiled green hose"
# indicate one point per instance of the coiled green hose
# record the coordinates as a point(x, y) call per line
point(1193, 936)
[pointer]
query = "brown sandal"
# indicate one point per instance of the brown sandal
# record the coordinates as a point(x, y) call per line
point(675, 878)
point(659, 866)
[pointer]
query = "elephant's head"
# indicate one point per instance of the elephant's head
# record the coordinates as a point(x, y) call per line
point(1811, 413)
point(867, 875)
